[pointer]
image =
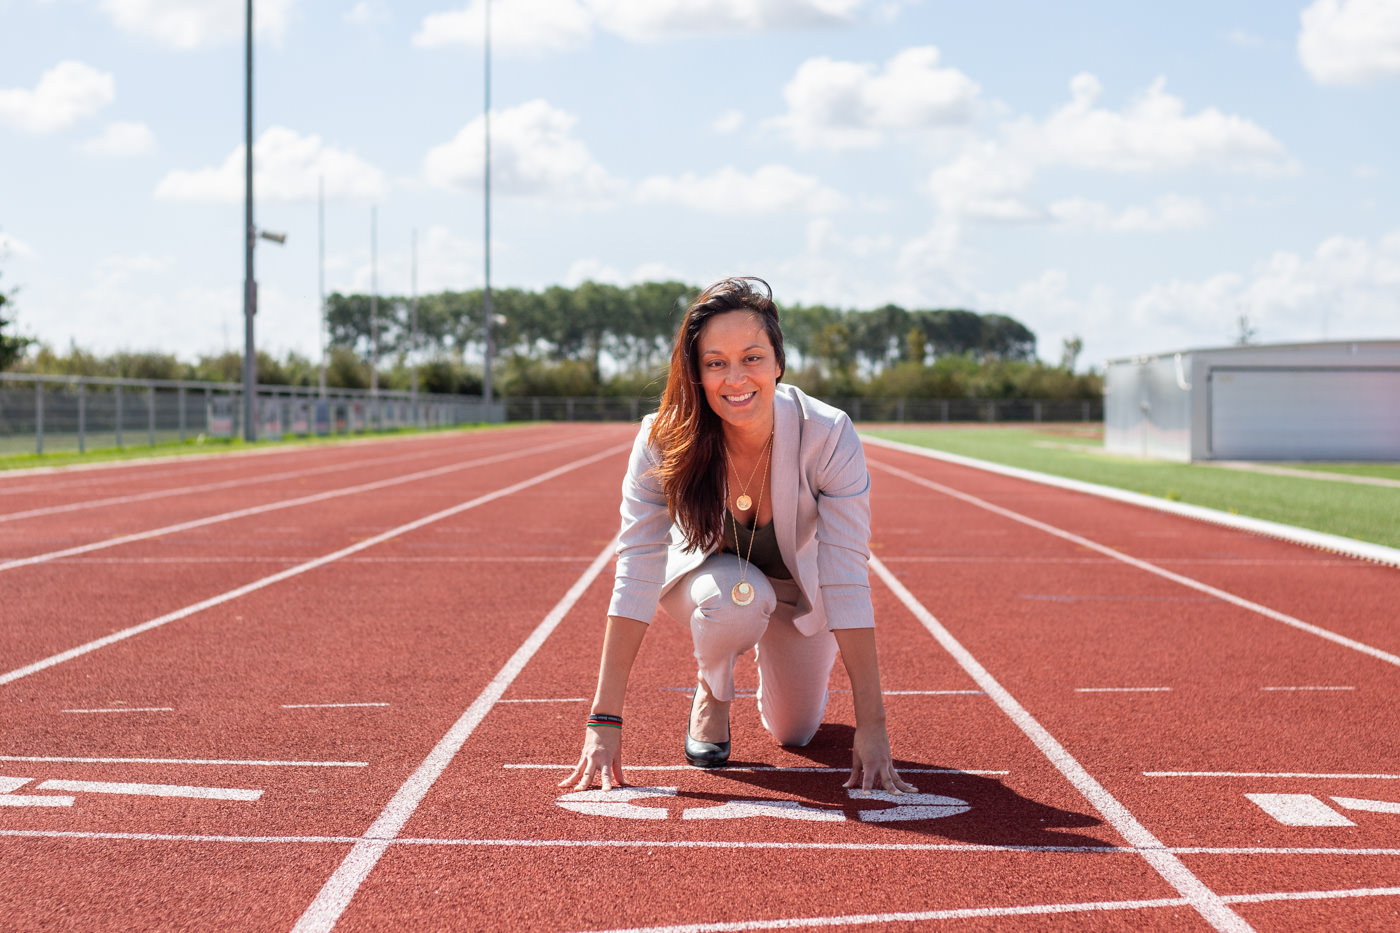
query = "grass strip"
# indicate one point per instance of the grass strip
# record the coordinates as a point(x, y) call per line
point(1366, 513)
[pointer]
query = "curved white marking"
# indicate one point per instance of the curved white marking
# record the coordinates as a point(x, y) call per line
point(908, 806)
point(782, 809)
point(617, 802)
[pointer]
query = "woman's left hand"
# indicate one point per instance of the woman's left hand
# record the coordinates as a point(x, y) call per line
point(871, 761)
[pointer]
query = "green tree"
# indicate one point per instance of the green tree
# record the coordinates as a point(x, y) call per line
point(12, 346)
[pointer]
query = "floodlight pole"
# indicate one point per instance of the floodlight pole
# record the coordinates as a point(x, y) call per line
point(374, 303)
point(323, 331)
point(250, 287)
point(486, 293)
point(413, 323)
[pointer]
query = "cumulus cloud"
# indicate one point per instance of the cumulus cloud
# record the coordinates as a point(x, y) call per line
point(528, 26)
point(769, 189)
point(534, 154)
point(13, 246)
point(986, 182)
point(65, 94)
point(1168, 212)
point(846, 105)
point(183, 25)
point(367, 13)
point(1154, 133)
point(122, 140)
point(729, 122)
point(541, 25)
point(286, 167)
point(1350, 41)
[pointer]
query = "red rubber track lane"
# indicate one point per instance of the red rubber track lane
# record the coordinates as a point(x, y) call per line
point(425, 620)
point(72, 600)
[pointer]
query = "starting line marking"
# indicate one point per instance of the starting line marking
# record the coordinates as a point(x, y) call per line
point(1307, 688)
point(1298, 810)
point(1122, 689)
point(1272, 774)
point(970, 913)
point(152, 790)
point(749, 769)
point(126, 709)
point(549, 700)
point(329, 705)
point(184, 761)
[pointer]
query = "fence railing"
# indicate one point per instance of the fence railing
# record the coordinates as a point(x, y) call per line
point(604, 408)
point(42, 414)
point(78, 413)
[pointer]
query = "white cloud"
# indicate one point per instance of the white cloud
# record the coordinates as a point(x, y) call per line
point(527, 26)
point(1246, 39)
point(65, 94)
point(1350, 41)
point(1168, 212)
point(843, 105)
point(536, 26)
point(824, 235)
point(286, 167)
point(184, 25)
point(729, 122)
point(534, 154)
point(13, 246)
point(121, 140)
point(986, 182)
point(1153, 134)
point(367, 13)
point(769, 189)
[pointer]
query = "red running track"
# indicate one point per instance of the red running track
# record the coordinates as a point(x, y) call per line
point(334, 688)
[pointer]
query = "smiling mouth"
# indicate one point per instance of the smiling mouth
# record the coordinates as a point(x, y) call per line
point(736, 399)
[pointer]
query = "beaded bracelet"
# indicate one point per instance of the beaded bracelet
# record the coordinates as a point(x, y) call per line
point(605, 719)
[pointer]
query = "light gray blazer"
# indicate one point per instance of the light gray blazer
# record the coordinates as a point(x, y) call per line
point(821, 513)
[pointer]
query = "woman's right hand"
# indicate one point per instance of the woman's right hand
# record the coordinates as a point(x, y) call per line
point(601, 756)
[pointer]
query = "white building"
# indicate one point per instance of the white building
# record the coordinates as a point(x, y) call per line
point(1305, 401)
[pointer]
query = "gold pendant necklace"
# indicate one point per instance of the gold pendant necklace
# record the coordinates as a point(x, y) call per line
point(742, 593)
point(744, 503)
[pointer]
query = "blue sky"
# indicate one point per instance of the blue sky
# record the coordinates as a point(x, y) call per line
point(1137, 174)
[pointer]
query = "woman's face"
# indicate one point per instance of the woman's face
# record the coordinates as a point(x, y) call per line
point(738, 369)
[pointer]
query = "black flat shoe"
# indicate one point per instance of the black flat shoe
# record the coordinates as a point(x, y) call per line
point(704, 754)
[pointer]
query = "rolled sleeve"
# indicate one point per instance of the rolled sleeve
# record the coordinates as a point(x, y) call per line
point(843, 532)
point(644, 538)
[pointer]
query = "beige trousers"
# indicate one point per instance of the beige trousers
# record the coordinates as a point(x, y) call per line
point(793, 669)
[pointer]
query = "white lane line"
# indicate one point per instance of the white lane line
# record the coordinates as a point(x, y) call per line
point(1367, 806)
point(186, 761)
point(1272, 774)
point(1298, 810)
point(152, 790)
point(304, 567)
point(1307, 688)
point(977, 913)
point(335, 896)
point(929, 693)
point(275, 506)
point(1329, 852)
point(126, 709)
point(549, 700)
point(1351, 547)
point(1144, 565)
point(1122, 689)
point(8, 784)
point(207, 487)
point(34, 800)
point(329, 705)
point(750, 769)
point(1200, 897)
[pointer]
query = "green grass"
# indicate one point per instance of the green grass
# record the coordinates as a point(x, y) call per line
point(62, 458)
point(1367, 513)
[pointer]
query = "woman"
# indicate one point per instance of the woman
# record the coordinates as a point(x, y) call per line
point(746, 515)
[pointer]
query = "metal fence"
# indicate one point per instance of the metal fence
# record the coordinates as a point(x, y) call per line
point(71, 413)
point(47, 414)
point(546, 408)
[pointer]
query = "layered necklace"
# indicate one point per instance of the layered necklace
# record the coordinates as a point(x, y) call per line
point(744, 503)
point(742, 593)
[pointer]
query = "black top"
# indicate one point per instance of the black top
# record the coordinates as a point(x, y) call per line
point(765, 554)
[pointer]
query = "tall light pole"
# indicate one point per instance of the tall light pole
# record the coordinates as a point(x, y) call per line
point(486, 315)
point(413, 323)
point(373, 302)
point(250, 287)
point(324, 330)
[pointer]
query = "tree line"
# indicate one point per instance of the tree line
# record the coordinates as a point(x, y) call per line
point(599, 339)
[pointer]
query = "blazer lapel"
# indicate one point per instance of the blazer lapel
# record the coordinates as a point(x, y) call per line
point(787, 468)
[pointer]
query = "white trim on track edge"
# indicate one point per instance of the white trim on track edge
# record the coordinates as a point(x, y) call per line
point(1131, 561)
point(1364, 550)
point(303, 568)
point(339, 890)
point(1197, 895)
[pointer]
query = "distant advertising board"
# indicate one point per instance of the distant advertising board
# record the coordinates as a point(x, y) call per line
point(357, 416)
point(323, 418)
point(301, 417)
point(270, 425)
point(220, 417)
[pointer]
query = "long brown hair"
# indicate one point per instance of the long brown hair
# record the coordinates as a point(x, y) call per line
point(687, 432)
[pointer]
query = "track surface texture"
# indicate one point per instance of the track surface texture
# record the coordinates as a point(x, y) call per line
point(334, 688)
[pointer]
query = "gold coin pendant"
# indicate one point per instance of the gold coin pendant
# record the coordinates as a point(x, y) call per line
point(744, 503)
point(742, 594)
